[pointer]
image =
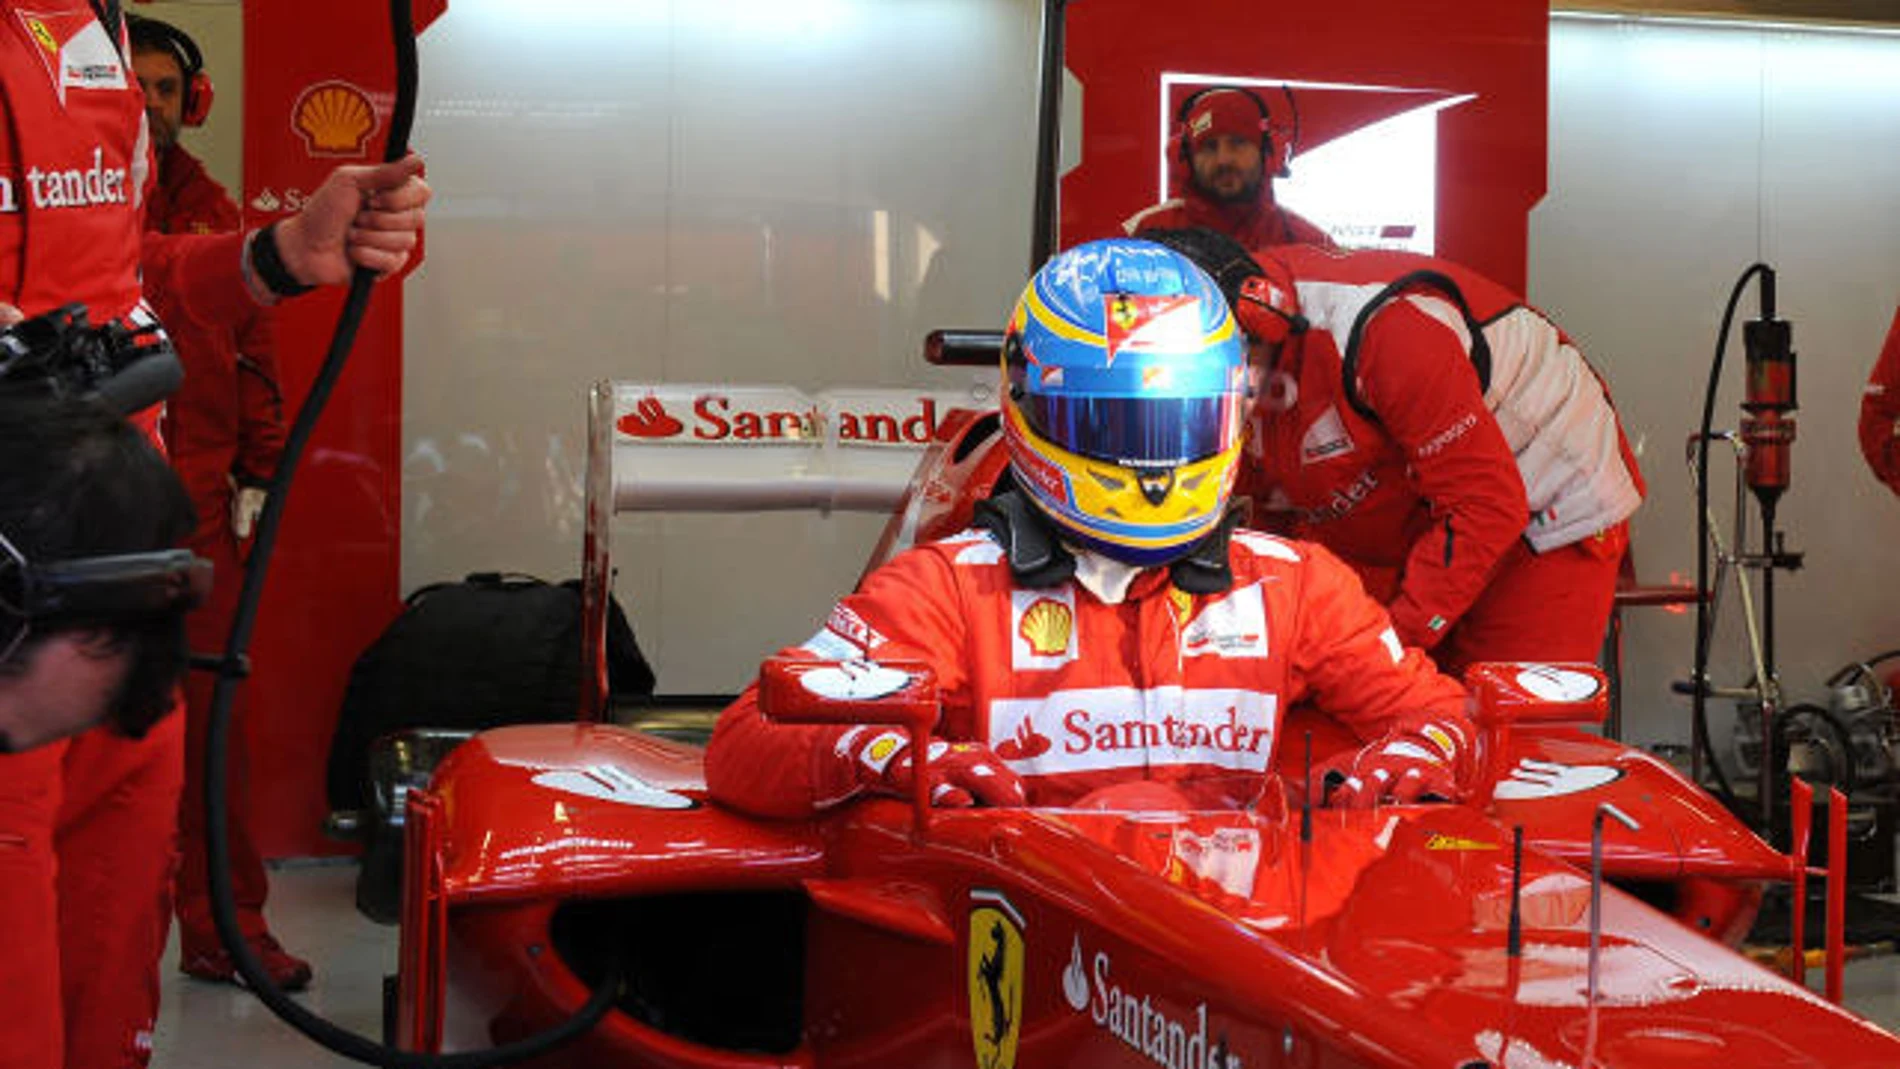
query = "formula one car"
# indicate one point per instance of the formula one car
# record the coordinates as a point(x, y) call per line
point(1574, 913)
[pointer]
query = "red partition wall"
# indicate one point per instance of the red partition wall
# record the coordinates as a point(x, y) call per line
point(1491, 148)
point(319, 84)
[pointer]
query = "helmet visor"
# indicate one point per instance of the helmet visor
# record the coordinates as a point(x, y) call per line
point(1137, 430)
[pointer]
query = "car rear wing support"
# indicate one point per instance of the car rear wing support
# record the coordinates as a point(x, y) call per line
point(668, 447)
point(1801, 831)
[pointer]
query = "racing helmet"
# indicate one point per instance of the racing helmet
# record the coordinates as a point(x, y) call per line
point(1124, 395)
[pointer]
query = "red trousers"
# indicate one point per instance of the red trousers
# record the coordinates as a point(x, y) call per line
point(85, 870)
point(207, 627)
point(1551, 606)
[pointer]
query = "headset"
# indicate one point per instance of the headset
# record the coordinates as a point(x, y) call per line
point(106, 590)
point(160, 36)
point(1276, 154)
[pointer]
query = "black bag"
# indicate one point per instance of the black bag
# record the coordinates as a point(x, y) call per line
point(490, 650)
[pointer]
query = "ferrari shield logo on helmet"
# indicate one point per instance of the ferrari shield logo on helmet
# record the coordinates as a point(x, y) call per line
point(996, 979)
point(1139, 323)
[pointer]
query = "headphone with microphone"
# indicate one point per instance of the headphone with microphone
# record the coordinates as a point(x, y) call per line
point(1276, 153)
point(160, 36)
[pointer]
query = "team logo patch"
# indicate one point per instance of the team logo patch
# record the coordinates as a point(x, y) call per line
point(1144, 324)
point(1325, 438)
point(75, 50)
point(1042, 632)
point(1100, 728)
point(41, 34)
point(848, 625)
point(1232, 626)
point(996, 979)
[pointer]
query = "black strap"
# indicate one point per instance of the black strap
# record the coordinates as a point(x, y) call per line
point(1206, 569)
point(1036, 559)
point(1425, 279)
point(268, 261)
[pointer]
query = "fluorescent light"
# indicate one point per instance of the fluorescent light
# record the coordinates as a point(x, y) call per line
point(1721, 23)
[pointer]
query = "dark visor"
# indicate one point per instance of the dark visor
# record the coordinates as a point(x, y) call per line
point(1137, 430)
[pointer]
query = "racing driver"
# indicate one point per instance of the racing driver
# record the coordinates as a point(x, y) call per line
point(1104, 621)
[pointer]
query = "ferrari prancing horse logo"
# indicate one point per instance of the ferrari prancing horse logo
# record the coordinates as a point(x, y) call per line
point(996, 979)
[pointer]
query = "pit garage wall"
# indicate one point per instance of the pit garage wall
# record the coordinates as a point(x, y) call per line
point(749, 191)
point(1680, 154)
point(795, 193)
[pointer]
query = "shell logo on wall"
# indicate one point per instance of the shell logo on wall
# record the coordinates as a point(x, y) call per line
point(334, 118)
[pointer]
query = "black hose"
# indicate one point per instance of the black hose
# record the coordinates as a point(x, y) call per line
point(1698, 680)
point(217, 744)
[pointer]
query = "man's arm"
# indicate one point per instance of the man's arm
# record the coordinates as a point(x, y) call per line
point(1416, 374)
point(359, 217)
point(1349, 661)
point(1880, 412)
point(905, 610)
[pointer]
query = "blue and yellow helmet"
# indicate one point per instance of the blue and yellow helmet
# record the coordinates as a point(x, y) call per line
point(1125, 389)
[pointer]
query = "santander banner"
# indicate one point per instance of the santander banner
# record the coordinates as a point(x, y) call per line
point(677, 415)
point(746, 448)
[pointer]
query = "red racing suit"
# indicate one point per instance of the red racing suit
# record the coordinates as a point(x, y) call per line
point(225, 422)
point(86, 825)
point(1490, 516)
point(1074, 694)
point(1880, 412)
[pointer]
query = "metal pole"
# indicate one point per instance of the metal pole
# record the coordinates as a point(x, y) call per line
point(1044, 225)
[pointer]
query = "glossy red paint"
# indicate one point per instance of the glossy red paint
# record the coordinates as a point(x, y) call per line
point(1379, 943)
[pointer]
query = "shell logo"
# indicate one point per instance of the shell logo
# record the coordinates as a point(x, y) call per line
point(334, 119)
point(1046, 627)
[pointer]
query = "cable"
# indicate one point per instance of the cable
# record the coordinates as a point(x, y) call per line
point(1698, 680)
point(217, 745)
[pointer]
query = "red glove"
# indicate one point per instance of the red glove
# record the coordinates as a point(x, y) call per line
point(961, 773)
point(1400, 768)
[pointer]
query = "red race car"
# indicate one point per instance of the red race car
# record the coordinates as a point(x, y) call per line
point(547, 862)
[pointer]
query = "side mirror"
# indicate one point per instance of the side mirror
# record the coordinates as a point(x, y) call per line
point(900, 694)
point(1507, 693)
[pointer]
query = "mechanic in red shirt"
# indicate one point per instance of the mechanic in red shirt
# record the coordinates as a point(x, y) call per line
point(1104, 623)
point(224, 428)
point(1880, 412)
point(1223, 156)
point(86, 826)
point(1446, 439)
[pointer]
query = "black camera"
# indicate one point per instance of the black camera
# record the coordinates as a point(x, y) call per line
point(125, 367)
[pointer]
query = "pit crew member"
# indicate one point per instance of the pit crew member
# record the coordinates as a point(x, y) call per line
point(1105, 621)
point(1222, 159)
point(1880, 412)
point(1446, 439)
point(224, 428)
point(86, 825)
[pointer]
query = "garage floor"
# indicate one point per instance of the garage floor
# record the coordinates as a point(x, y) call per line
point(312, 908)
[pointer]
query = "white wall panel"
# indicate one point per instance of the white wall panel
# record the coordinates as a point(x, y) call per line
point(684, 191)
point(1679, 155)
